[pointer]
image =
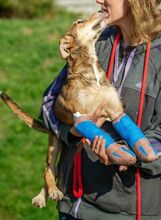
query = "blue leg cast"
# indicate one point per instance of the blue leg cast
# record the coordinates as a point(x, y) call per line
point(135, 138)
point(128, 130)
point(89, 130)
point(119, 154)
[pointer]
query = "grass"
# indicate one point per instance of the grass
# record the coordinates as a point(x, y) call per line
point(29, 61)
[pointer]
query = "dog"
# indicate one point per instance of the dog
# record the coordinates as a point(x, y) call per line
point(77, 46)
point(85, 89)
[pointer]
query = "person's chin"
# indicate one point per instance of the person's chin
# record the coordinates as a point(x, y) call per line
point(109, 23)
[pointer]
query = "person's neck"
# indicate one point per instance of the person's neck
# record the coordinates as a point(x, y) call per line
point(125, 27)
point(126, 36)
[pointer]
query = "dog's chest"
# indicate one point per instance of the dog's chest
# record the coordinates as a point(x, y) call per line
point(84, 99)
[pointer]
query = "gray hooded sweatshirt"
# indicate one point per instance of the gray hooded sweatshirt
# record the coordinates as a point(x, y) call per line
point(108, 193)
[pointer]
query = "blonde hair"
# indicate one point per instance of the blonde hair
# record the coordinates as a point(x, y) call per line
point(146, 20)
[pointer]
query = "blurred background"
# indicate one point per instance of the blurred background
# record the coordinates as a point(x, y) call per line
point(29, 61)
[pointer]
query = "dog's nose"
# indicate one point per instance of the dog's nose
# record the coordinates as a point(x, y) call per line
point(101, 11)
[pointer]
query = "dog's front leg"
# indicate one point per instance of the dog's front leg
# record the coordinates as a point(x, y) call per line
point(50, 175)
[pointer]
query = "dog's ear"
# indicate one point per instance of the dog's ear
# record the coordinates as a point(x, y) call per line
point(66, 44)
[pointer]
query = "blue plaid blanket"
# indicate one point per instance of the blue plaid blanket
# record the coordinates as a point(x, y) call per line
point(49, 98)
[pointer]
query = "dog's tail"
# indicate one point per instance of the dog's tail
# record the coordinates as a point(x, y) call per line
point(31, 122)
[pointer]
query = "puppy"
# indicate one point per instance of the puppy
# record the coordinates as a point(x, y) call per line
point(85, 89)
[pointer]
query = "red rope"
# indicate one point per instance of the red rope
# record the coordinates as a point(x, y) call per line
point(77, 174)
point(143, 88)
point(77, 178)
point(140, 114)
point(112, 57)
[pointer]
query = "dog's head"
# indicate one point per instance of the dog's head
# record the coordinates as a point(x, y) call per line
point(82, 33)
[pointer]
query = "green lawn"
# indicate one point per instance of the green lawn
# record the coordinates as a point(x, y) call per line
point(29, 61)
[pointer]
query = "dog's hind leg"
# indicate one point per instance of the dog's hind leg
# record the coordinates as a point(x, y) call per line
point(50, 189)
point(50, 175)
point(41, 198)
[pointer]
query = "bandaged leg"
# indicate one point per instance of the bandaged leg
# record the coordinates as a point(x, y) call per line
point(135, 138)
point(117, 153)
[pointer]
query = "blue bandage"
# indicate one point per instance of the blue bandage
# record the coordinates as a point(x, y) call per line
point(89, 130)
point(128, 130)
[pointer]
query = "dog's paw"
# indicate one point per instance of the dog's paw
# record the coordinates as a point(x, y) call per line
point(39, 201)
point(144, 150)
point(120, 154)
point(55, 194)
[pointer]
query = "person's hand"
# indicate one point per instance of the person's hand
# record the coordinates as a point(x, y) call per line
point(96, 117)
point(98, 147)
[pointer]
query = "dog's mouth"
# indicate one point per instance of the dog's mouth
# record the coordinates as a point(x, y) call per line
point(105, 10)
point(98, 24)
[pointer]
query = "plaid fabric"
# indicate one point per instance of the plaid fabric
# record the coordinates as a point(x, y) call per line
point(49, 98)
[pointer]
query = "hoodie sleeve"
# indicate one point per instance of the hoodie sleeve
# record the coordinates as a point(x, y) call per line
point(154, 136)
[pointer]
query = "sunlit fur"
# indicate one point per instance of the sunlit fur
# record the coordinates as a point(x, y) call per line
point(146, 20)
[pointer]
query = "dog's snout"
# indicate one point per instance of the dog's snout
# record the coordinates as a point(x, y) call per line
point(100, 11)
point(97, 26)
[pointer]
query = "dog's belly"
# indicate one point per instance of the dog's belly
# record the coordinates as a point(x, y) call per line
point(91, 98)
point(86, 100)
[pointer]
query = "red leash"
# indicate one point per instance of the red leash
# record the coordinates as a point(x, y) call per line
point(143, 88)
point(77, 174)
point(112, 57)
point(77, 178)
point(140, 112)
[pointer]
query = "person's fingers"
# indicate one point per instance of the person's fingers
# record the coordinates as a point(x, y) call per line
point(95, 117)
point(100, 121)
point(122, 168)
point(99, 110)
point(106, 162)
point(88, 142)
point(98, 144)
point(102, 154)
point(94, 143)
point(83, 118)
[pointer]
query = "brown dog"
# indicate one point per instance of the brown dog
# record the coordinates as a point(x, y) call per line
point(86, 88)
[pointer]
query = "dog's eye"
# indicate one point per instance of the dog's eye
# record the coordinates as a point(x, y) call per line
point(80, 21)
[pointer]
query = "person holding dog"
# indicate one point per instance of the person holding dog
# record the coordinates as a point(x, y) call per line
point(104, 192)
